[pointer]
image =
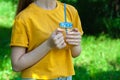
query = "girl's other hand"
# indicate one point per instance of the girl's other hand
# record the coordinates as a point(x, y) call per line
point(73, 37)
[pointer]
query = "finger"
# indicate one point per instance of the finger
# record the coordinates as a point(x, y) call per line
point(61, 45)
point(73, 33)
point(73, 40)
point(75, 29)
point(59, 35)
point(59, 40)
point(73, 43)
point(73, 37)
point(59, 30)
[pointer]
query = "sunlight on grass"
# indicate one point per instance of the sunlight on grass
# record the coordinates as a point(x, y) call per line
point(99, 55)
point(7, 12)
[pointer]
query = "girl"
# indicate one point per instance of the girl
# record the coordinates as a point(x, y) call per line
point(40, 50)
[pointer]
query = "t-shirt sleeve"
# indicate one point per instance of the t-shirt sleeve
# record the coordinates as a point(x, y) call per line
point(19, 35)
point(77, 22)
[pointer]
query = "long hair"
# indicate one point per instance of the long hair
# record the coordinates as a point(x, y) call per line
point(22, 4)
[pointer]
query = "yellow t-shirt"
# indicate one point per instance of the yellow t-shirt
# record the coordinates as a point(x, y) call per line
point(32, 27)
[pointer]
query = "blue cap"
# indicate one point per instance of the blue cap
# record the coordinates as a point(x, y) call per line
point(65, 25)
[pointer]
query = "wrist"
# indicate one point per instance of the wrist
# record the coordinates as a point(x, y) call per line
point(50, 43)
point(73, 46)
point(76, 50)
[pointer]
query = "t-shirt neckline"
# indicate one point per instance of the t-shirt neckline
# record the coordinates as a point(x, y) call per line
point(45, 10)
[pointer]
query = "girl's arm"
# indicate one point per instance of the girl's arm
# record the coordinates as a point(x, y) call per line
point(22, 60)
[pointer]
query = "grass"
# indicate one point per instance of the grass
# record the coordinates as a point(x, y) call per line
point(99, 60)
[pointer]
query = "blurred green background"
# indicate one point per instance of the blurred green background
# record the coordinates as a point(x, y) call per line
point(100, 57)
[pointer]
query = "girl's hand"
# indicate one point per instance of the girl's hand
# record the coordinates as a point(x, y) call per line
point(73, 37)
point(57, 39)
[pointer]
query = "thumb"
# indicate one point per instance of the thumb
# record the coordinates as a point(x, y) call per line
point(59, 30)
point(75, 30)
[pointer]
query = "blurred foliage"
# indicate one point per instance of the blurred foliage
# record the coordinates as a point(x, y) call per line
point(113, 26)
point(96, 15)
point(7, 12)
